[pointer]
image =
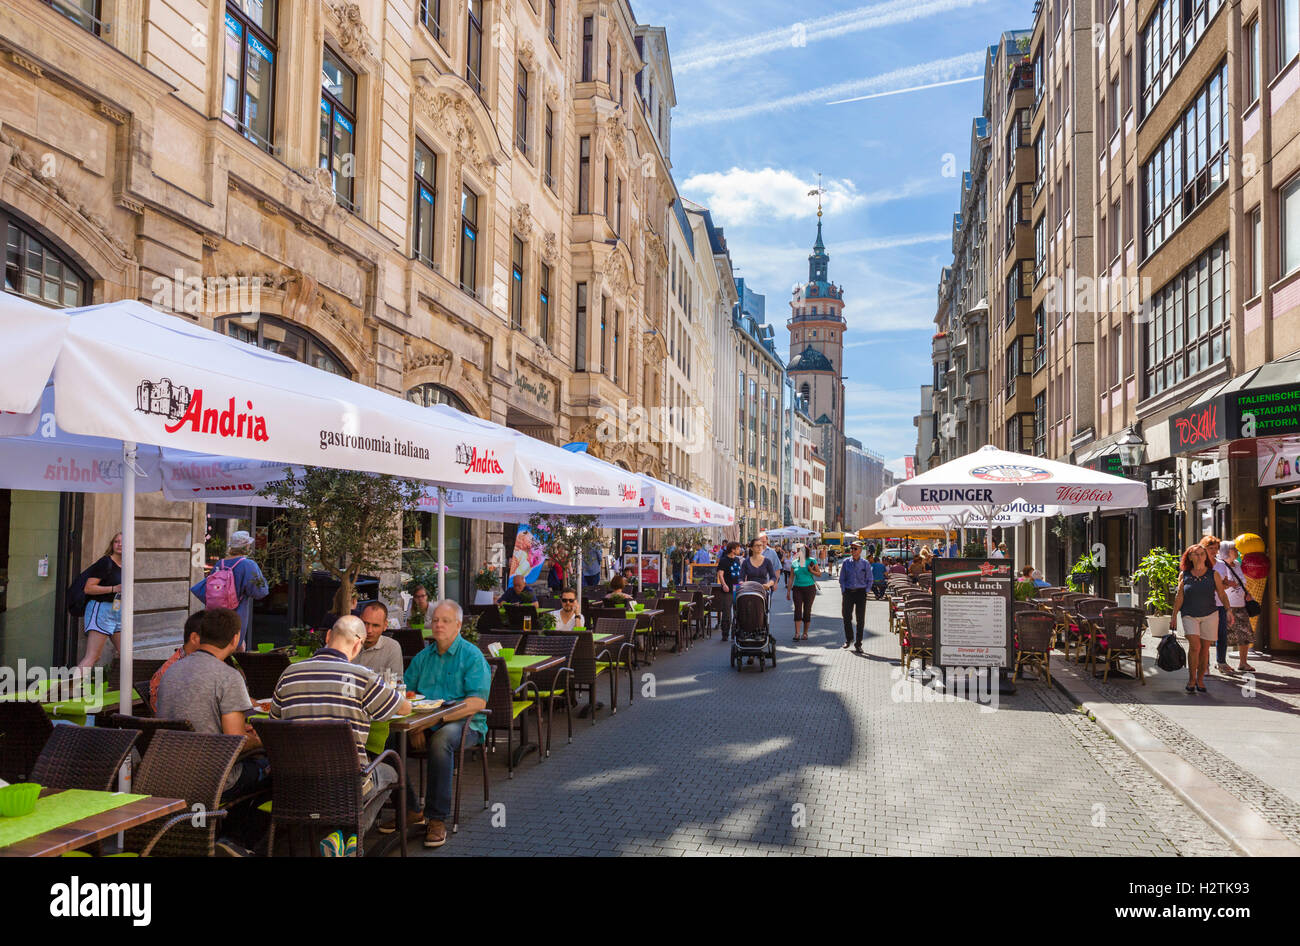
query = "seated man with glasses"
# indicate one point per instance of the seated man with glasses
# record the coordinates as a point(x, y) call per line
point(567, 618)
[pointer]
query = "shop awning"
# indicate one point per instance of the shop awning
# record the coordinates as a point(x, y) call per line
point(1262, 402)
point(1288, 496)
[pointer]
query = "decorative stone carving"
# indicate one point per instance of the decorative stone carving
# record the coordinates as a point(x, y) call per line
point(30, 65)
point(521, 219)
point(527, 55)
point(115, 115)
point(617, 136)
point(617, 276)
point(550, 248)
point(451, 114)
point(63, 189)
point(354, 39)
point(317, 189)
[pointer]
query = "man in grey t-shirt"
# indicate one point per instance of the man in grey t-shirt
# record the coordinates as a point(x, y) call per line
point(378, 652)
point(212, 695)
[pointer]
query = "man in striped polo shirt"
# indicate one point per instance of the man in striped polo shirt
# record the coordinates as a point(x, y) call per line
point(331, 685)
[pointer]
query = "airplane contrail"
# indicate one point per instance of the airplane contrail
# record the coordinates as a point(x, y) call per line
point(915, 88)
point(899, 79)
point(798, 35)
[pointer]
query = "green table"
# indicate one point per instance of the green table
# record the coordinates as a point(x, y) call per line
point(517, 664)
point(56, 810)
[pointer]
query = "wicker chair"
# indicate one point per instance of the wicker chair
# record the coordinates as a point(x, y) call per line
point(1123, 629)
point(262, 671)
point(318, 777)
point(554, 684)
point(1091, 608)
point(506, 705)
point(409, 639)
point(82, 757)
point(505, 639)
point(918, 637)
point(516, 615)
point(187, 765)
point(1035, 631)
point(146, 726)
point(587, 668)
point(625, 655)
point(24, 730)
point(672, 624)
point(141, 669)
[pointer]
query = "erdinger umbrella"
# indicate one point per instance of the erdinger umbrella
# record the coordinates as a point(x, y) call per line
point(992, 480)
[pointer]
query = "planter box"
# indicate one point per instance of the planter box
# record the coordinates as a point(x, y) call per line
point(1158, 625)
point(482, 597)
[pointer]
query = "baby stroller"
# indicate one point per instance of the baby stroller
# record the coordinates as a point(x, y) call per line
point(751, 637)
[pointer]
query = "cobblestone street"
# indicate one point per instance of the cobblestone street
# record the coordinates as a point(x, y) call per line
point(830, 753)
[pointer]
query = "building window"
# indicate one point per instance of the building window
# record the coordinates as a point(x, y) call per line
point(550, 24)
point(1040, 162)
point(548, 145)
point(248, 92)
point(609, 64)
point(1040, 248)
point(1189, 165)
point(1169, 36)
point(516, 283)
point(618, 336)
point(1251, 50)
point(1288, 31)
point(544, 302)
point(426, 173)
point(1040, 425)
point(604, 334)
point(1040, 338)
point(584, 175)
point(604, 207)
point(1187, 328)
point(474, 47)
point(85, 13)
point(521, 109)
point(35, 271)
point(280, 337)
point(618, 207)
point(469, 241)
point(1256, 252)
point(587, 37)
point(338, 120)
point(1290, 227)
point(580, 330)
point(430, 395)
point(431, 16)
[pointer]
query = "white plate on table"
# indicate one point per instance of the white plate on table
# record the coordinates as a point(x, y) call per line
point(426, 706)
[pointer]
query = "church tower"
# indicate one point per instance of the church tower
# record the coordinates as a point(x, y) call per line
point(816, 366)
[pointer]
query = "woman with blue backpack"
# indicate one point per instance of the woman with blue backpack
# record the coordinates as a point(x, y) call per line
point(101, 585)
point(235, 582)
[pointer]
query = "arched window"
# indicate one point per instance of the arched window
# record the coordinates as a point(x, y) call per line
point(284, 339)
point(740, 492)
point(35, 270)
point(753, 495)
point(805, 392)
point(762, 498)
point(427, 395)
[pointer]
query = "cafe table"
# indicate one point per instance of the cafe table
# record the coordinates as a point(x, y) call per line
point(78, 709)
point(404, 726)
point(64, 821)
point(521, 665)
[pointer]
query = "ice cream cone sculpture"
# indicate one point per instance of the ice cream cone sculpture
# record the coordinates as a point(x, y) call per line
point(1256, 588)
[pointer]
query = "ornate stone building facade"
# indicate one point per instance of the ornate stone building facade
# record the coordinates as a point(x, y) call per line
point(461, 203)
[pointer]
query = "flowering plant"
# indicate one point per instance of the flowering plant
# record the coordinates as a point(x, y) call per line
point(485, 579)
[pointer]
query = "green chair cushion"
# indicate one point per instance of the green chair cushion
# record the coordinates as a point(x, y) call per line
point(518, 706)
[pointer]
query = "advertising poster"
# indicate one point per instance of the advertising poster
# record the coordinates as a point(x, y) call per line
point(647, 568)
point(972, 612)
point(529, 556)
point(630, 546)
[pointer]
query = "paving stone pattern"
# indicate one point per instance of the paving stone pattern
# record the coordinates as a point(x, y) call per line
point(818, 757)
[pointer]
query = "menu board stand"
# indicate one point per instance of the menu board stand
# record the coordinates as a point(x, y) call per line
point(973, 615)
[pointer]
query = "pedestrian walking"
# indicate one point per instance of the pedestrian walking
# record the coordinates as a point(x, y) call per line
point(728, 578)
point(102, 586)
point(877, 576)
point(855, 579)
point(1239, 632)
point(235, 583)
point(1195, 601)
point(803, 590)
point(787, 567)
point(1212, 545)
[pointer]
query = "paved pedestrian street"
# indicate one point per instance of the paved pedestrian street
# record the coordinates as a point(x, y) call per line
point(829, 753)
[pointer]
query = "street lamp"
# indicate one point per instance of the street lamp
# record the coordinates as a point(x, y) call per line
point(1132, 450)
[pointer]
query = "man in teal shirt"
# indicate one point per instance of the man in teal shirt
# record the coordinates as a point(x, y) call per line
point(451, 669)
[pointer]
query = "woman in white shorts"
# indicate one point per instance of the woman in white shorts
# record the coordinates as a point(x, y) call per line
point(1198, 606)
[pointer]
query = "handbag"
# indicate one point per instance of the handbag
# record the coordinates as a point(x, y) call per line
point(1253, 608)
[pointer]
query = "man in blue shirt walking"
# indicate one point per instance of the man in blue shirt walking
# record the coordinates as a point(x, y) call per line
point(855, 579)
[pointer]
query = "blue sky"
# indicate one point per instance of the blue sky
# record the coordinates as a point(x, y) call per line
point(753, 127)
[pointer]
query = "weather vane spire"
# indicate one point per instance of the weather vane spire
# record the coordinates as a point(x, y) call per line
point(817, 192)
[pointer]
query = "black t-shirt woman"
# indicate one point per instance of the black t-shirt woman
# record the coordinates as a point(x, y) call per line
point(103, 585)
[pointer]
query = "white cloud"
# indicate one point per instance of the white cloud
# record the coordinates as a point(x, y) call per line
point(740, 196)
point(800, 34)
point(938, 70)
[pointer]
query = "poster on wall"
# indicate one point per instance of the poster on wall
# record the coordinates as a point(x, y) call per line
point(1279, 461)
point(972, 602)
point(529, 556)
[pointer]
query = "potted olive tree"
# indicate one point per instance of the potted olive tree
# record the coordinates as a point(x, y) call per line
point(1159, 569)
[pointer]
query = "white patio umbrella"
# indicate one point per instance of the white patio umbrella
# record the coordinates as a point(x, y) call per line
point(125, 372)
point(991, 480)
